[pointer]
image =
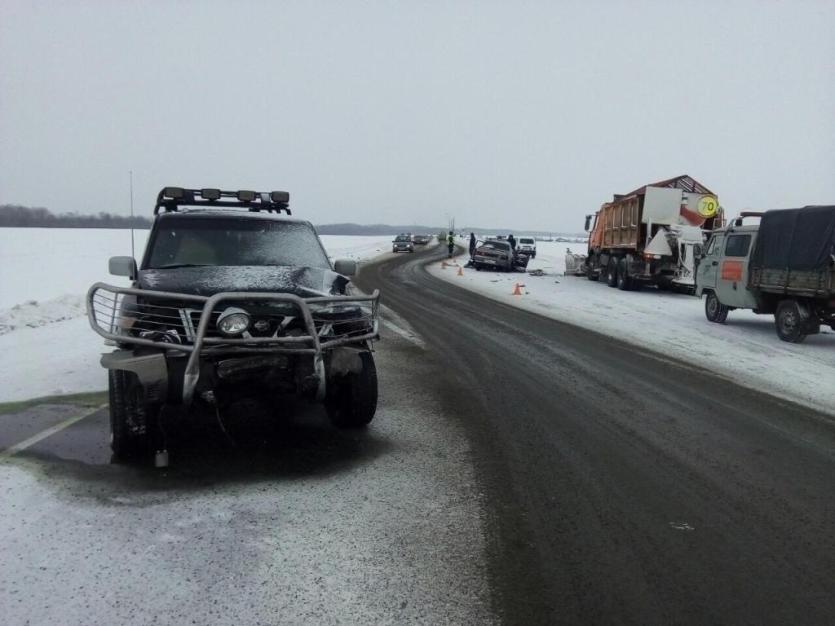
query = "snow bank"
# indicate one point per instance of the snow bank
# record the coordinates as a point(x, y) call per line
point(745, 350)
point(46, 345)
point(33, 314)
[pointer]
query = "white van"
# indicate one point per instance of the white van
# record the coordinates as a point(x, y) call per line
point(526, 245)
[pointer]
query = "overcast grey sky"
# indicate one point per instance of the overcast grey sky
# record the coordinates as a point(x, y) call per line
point(517, 114)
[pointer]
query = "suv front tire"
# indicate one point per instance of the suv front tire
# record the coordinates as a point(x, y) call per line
point(129, 415)
point(352, 397)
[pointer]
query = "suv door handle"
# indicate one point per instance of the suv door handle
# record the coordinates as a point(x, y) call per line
point(715, 263)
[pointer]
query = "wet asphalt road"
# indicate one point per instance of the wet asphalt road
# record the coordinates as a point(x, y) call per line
point(620, 486)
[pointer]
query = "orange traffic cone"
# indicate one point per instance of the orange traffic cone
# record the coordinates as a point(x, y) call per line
point(516, 290)
point(460, 271)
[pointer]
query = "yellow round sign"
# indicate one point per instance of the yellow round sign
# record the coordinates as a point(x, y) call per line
point(708, 206)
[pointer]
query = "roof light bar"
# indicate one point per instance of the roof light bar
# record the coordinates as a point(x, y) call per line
point(175, 193)
point(173, 198)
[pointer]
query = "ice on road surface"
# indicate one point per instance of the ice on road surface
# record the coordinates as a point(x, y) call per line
point(46, 344)
point(745, 350)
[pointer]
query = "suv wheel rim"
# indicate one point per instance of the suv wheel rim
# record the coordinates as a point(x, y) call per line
point(789, 322)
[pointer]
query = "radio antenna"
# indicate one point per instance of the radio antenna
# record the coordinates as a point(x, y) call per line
point(132, 251)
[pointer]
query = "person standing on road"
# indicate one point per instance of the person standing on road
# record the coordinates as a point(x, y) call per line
point(472, 244)
point(512, 241)
point(450, 242)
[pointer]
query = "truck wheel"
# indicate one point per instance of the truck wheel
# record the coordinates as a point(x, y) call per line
point(790, 321)
point(612, 273)
point(715, 311)
point(591, 274)
point(623, 281)
point(352, 398)
point(129, 415)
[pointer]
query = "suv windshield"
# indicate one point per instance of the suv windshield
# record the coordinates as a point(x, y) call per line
point(523, 240)
point(403, 238)
point(234, 241)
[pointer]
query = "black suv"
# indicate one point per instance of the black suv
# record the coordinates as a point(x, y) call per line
point(232, 299)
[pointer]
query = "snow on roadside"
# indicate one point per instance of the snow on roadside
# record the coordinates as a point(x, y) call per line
point(745, 350)
point(357, 248)
point(46, 345)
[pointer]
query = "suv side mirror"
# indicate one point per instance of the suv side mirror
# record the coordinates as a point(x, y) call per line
point(346, 267)
point(122, 266)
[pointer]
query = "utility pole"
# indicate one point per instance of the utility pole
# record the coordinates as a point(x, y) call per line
point(132, 245)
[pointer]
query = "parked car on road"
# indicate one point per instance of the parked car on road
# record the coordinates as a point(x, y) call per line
point(526, 245)
point(231, 301)
point(403, 243)
point(785, 266)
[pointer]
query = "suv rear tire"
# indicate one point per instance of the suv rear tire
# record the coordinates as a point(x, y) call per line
point(791, 320)
point(129, 415)
point(715, 311)
point(352, 398)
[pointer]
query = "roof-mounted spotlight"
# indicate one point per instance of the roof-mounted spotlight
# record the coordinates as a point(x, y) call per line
point(246, 196)
point(280, 196)
point(210, 194)
point(175, 193)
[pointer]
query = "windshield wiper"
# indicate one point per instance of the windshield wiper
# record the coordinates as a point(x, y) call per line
point(172, 266)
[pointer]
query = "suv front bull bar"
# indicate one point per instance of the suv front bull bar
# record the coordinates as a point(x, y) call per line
point(107, 318)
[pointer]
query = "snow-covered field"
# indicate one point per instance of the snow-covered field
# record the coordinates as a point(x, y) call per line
point(46, 345)
point(745, 350)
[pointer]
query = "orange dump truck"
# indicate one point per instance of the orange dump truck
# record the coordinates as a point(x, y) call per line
point(652, 235)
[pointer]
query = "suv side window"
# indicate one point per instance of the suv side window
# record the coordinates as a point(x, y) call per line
point(738, 245)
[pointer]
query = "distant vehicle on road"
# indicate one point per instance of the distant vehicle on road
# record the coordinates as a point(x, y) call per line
point(526, 245)
point(421, 240)
point(232, 300)
point(652, 235)
point(403, 243)
point(784, 265)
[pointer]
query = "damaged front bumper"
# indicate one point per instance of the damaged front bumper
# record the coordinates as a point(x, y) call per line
point(184, 325)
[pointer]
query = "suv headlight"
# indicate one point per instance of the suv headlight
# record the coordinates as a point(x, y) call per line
point(233, 321)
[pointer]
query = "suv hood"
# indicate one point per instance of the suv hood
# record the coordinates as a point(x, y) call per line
point(305, 282)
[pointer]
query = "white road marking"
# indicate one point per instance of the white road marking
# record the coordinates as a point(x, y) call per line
point(404, 333)
point(398, 325)
point(31, 441)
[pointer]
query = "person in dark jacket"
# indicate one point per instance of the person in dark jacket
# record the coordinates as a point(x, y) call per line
point(512, 241)
point(472, 244)
point(450, 242)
